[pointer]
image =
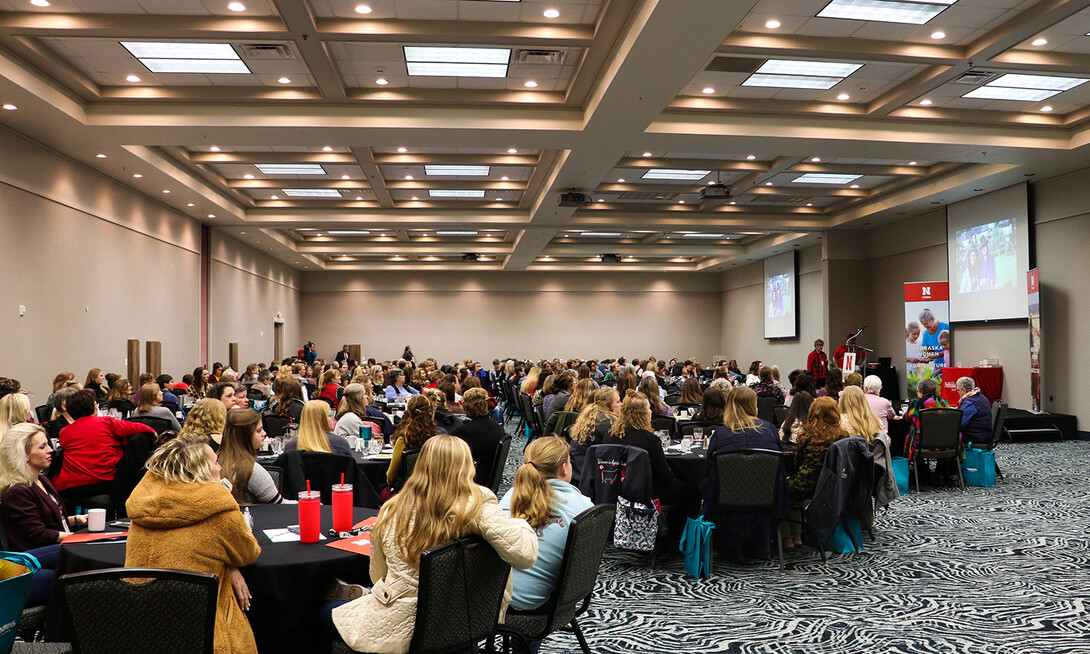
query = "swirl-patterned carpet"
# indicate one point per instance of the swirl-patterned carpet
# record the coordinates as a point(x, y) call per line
point(999, 570)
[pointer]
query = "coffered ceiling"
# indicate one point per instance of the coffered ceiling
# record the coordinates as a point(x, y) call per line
point(441, 134)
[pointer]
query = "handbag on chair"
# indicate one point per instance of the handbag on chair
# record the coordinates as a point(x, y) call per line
point(16, 569)
point(636, 527)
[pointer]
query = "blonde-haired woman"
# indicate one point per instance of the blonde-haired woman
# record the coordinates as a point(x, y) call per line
point(593, 425)
point(438, 503)
point(581, 396)
point(183, 518)
point(205, 420)
point(314, 432)
point(633, 427)
point(856, 417)
point(544, 497)
point(14, 410)
point(151, 398)
point(530, 384)
point(96, 381)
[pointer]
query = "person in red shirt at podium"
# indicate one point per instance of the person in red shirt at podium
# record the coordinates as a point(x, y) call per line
point(818, 363)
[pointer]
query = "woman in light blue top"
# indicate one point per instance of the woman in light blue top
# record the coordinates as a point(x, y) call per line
point(397, 391)
point(544, 497)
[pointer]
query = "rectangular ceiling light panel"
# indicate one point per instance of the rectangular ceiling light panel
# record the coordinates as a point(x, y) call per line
point(347, 232)
point(884, 11)
point(311, 193)
point(1044, 82)
point(676, 173)
point(703, 235)
point(440, 61)
point(455, 233)
point(825, 178)
point(436, 169)
point(792, 81)
point(211, 66)
point(422, 69)
point(812, 68)
point(1006, 93)
point(165, 50)
point(456, 193)
point(291, 169)
point(603, 234)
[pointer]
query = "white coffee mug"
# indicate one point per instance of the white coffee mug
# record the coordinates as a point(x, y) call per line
point(96, 520)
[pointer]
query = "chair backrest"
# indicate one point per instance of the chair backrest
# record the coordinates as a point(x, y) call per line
point(460, 592)
point(612, 471)
point(160, 425)
point(748, 479)
point(173, 406)
point(939, 428)
point(999, 415)
point(331, 403)
point(323, 470)
point(664, 422)
point(275, 426)
point(159, 609)
point(588, 535)
point(687, 427)
point(779, 414)
point(766, 408)
point(254, 394)
point(43, 413)
point(277, 474)
point(672, 399)
point(498, 463)
point(130, 469)
point(408, 462)
point(526, 409)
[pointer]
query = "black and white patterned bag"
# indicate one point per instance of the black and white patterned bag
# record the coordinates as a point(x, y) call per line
point(636, 527)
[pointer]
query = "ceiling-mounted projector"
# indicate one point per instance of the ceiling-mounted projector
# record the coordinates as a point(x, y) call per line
point(575, 199)
point(470, 256)
point(717, 191)
point(611, 258)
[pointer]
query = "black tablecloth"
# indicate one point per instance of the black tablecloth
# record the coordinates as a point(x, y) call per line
point(286, 581)
point(689, 467)
point(373, 469)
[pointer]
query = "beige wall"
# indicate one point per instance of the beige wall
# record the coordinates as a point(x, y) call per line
point(742, 309)
point(246, 291)
point(95, 265)
point(528, 315)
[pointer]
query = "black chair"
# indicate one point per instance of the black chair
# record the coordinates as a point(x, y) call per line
point(664, 422)
point(130, 469)
point(408, 463)
point(255, 395)
point(766, 408)
point(588, 535)
point(172, 406)
point(332, 404)
point(687, 427)
point(458, 599)
point(275, 426)
point(672, 399)
point(999, 416)
point(526, 409)
point(939, 436)
point(748, 481)
point(43, 413)
point(277, 475)
point(160, 425)
point(323, 470)
point(495, 476)
point(122, 610)
point(779, 414)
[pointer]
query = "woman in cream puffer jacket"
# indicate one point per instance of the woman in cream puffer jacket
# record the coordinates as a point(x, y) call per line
point(441, 489)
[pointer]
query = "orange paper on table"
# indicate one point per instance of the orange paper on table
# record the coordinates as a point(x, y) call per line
point(75, 539)
point(357, 544)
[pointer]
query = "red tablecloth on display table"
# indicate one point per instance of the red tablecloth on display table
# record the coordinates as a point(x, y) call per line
point(989, 380)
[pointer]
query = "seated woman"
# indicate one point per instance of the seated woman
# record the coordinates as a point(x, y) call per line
point(398, 391)
point(927, 397)
point(314, 432)
point(480, 432)
point(494, 410)
point(96, 381)
point(205, 420)
point(60, 410)
point(882, 407)
point(767, 387)
point(151, 397)
point(802, 396)
point(415, 428)
point(224, 391)
point(184, 518)
point(200, 384)
point(544, 497)
point(450, 394)
point(242, 437)
point(352, 413)
point(288, 402)
point(834, 383)
point(690, 392)
point(754, 376)
point(262, 384)
point(593, 425)
point(15, 409)
point(330, 385)
point(438, 503)
point(856, 418)
point(822, 429)
point(712, 404)
point(92, 447)
point(649, 387)
point(544, 395)
point(581, 396)
point(32, 512)
point(633, 427)
point(627, 381)
point(740, 533)
point(119, 398)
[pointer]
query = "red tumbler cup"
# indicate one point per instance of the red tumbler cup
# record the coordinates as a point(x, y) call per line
point(310, 516)
point(342, 507)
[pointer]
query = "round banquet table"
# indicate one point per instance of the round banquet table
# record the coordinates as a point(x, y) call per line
point(373, 469)
point(693, 466)
point(286, 581)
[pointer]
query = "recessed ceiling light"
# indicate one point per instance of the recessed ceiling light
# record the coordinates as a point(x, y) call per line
point(843, 96)
point(751, 157)
point(809, 204)
point(512, 151)
point(707, 90)
point(402, 149)
point(601, 199)
point(456, 193)
point(925, 102)
point(215, 148)
point(681, 201)
point(938, 34)
point(132, 78)
point(551, 13)
point(530, 84)
point(363, 9)
point(100, 156)
point(676, 173)
point(499, 200)
point(40, 3)
point(815, 159)
point(446, 169)
point(291, 169)
point(825, 178)
point(1040, 41)
point(911, 163)
point(414, 198)
point(382, 81)
point(311, 193)
point(247, 176)
point(327, 148)
point(9, 107)
point(284, 80)
point(446, 61)
point(733, 202)
point(408, 177)
point(854, 186)
point(211, 215)
point(885, 11)
point(505, 178)
point(137, 175)
point(190, 204)
point(768, 183)
point(620, 180)
point(359, 197)
point(166, 190)
point(647, 154)
point(1047, 107)
point(274, 197)
point(772, 24)
point(236, 6)
point(346, 177)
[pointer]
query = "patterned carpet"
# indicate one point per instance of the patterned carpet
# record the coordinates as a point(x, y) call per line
point(998, 570)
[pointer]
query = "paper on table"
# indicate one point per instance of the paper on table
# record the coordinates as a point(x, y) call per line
point(367, 522)
point(285, 536)
point(359, 545)
point(90, 538)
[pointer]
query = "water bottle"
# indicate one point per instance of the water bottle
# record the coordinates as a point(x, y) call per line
point(365, 438)
point(249, 518)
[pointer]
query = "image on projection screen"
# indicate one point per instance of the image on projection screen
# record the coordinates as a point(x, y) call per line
point(986, 257)
point(779, 296)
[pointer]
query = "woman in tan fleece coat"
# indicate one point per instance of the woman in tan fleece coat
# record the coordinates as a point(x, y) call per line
point(183, 518)
point(438, 503)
